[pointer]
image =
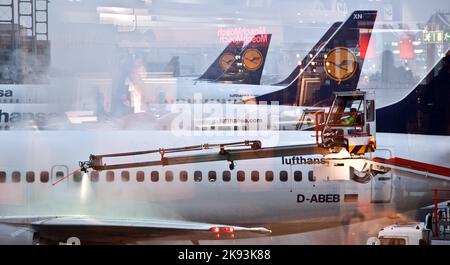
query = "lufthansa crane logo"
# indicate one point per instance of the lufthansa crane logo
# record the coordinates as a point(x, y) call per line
point(340, 64)
point(226, 60)
point(252, 59)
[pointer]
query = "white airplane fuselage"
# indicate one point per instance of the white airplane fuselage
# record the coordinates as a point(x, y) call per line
point(249, 201)
point(190, 89)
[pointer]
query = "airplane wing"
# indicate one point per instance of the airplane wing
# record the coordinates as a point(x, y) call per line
point(91, 230)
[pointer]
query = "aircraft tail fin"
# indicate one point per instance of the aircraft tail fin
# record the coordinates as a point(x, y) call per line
point(173, 66)
point(335, 67)
point(223, 61)
point(249, 65)
point(310, 55)
point(425, 110)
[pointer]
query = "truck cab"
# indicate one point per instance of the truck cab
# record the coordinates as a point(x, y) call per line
point(405, 234)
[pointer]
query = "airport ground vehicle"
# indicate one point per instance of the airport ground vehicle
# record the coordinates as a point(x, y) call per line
point(433, 231)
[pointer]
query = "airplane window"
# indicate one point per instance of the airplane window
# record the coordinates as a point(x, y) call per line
point(59, 174)
point(77, 176)
point(16, 176)
point(154, 176)
point(255, 175)
point(45, 176)
point(311, 176)
point(183, 176)
point(283, 176)
point(169, 176)
point(240, 176)
point(226, 176)
point(110, 176)
point(2, 176)
point(94, 176)
point(30, 176)
point(297, 175)
point(125, 175)
point(197, 176)
point(269, 176)
point(212, 176)
point(140, 176)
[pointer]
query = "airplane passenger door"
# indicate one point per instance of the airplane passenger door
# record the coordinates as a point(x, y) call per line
point(381, 184)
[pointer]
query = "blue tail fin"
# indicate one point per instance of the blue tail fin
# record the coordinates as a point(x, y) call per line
point(311, 54)
point(225, 59)
point(248, 67)
point(425, 110)
point(336, 67)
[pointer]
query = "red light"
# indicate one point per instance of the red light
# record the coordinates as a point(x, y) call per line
point(406, 47)
point(228, 229)
point(214, 229)
point(225, 229)
point(364, 39)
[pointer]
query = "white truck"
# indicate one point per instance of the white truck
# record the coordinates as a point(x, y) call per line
point(407, 234)
point(404, 234)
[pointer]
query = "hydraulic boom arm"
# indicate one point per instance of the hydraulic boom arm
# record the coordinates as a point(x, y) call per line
point(228, 152)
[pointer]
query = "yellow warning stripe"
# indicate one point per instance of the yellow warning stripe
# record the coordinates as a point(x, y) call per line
point(360, 149)
point(350, 148)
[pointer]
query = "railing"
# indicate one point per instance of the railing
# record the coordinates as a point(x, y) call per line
point(320, 123)
point(436, 200)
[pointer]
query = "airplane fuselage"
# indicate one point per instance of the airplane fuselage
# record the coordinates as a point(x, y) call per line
point(203, 192)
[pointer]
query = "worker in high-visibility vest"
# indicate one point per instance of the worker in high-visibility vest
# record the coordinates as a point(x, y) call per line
point(349, 121)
